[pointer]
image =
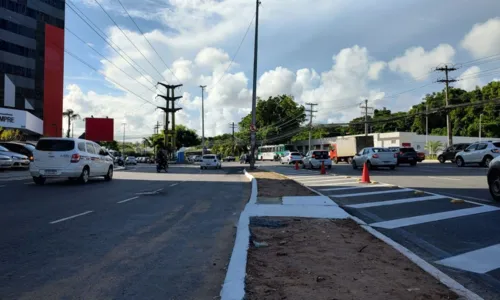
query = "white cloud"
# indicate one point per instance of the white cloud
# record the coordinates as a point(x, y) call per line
point(211, 57)
point(483, 39)
point(375, 69)
point(469, 79)
point(418, 63)
point(275, 82)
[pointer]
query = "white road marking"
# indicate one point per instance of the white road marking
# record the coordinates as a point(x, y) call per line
point(434, 217)
point(468, 197)
point(444, 178)
point(354, 187)
point(334, 183)
point(372, 193)
point(127, 200)
point(174, 184)
point(71, 217)
point(478, 261)
point(397, 201)
point(326, 182)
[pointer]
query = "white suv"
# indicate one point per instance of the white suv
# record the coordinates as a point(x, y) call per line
point(69, 158)
point(315, 158)
point(481, 153)
point(210, 161)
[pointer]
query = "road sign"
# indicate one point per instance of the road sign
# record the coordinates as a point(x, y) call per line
point(253, 128)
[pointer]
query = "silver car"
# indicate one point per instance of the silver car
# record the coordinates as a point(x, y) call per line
point(315, 158)
point(18, 160)
point(5, 162)
point(291, 158)
point(375, 157)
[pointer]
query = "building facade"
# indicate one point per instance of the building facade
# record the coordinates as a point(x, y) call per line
point(32, 65)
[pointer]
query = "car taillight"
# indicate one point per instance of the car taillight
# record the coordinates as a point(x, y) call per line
point(395, 155)
point(375, 155)
point(313, 156)
point(495, 150)
point(75, 158)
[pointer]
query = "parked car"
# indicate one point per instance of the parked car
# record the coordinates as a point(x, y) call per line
point(131, 160)
point(70, 158)
point(315, 158)
point(6, 162)
point(406, 155)
point(229, 158)
point(493, 178)
point(20, 147)
point(291, 158)
point(18, 159)
point(375, 157)
point(450, 152)
point(210, 161)
point(481, 153)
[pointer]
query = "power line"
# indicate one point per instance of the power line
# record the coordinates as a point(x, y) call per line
point(113, 46)
point(81, 40)
point(133, 44)
point(235, 54)
point(147, 40)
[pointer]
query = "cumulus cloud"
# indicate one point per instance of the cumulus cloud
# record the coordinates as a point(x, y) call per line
point(469, 79)
point(275, 82)
point(483, 39)
point(418, 63)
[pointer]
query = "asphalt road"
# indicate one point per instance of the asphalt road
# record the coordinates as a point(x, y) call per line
point(142, 236)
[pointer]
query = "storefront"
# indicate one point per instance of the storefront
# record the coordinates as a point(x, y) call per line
point(20, 119)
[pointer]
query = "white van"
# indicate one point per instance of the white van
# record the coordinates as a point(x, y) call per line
point(69, 158)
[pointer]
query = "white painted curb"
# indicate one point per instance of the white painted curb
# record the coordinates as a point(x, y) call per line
point(253, 195)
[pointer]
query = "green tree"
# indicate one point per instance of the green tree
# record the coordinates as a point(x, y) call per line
point(70, 115)
point(111, 145)
point(186, 137)
point(434, 146)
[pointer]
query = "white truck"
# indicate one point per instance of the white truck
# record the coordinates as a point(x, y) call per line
point(344, 148)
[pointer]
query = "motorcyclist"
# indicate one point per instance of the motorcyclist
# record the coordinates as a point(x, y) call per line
point(161, 158)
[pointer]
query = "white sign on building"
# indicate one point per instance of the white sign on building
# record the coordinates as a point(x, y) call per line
point(20, 119)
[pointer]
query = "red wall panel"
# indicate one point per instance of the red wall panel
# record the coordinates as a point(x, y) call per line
point(99, 129)
point(53, 81)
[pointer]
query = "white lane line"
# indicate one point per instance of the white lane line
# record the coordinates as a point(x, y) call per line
point(478, 261)
point(371, 193)
point(434, 217)
point(174, 184)
point(467, 197)
point(127, 200)
point(397, 201)
point(444, 178)
point(71, 217)
point(326, 182)
point(334, 183)
point(355, 187)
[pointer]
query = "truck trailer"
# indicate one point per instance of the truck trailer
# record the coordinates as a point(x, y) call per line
point(344, 148)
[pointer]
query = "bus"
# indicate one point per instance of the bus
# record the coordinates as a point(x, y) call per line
point(271, 152)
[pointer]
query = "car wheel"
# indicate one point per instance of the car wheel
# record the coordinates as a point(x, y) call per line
point(459, 161)
point(354, 166)
point(303, 165)
point(441, 159)
point(109, 176)
point(494, 185)
point(39, 180)
point(487, 160)
point(84, 177)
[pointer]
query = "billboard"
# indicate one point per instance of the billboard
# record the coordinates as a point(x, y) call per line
point(99, 129)
point(53, 81)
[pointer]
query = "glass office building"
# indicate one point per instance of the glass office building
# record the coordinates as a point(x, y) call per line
point(32, 65)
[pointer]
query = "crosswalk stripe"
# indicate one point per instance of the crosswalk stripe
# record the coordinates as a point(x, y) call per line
point(434, 217)
point(398, 201)
point(354, 187)
point(334, 183)
point(478, 261)
point(371, 193)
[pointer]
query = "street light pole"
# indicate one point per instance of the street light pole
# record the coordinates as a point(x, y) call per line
point(203, 118)
point(480, 125)
point(254, 88)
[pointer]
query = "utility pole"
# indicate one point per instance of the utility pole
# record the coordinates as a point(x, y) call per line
point(254, 88)
point(157, 127)
point(480, 125)
point(123, 141)
point(366, 107)
point(310, 111)
point(170, 139)
point(203, 118)
point(447, 69)
point(232, 125)
point(427, 126)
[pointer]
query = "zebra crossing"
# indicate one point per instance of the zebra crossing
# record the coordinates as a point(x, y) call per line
point(461, 238)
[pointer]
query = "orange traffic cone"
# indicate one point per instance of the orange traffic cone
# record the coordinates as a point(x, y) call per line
point(365, 177)
point(323, 171)
point(296, 165)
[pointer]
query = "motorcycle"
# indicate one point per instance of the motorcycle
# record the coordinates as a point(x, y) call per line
point(120, 161)
point(161, 166)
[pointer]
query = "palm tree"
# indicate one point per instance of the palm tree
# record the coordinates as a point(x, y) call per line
point(434, 146)
point(71, 115)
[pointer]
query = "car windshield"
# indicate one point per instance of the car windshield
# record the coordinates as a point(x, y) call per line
point(29, 147)
point(496, 144)
point(3, 149)
point(405, 150)
point(209, 157)
point(376, 150)
point(295, 153)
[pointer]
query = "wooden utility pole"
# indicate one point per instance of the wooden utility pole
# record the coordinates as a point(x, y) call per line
point(447, 69)
point(254, 89)
point(169, 134)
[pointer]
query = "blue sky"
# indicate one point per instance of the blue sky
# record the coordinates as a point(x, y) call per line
point(376, 46)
